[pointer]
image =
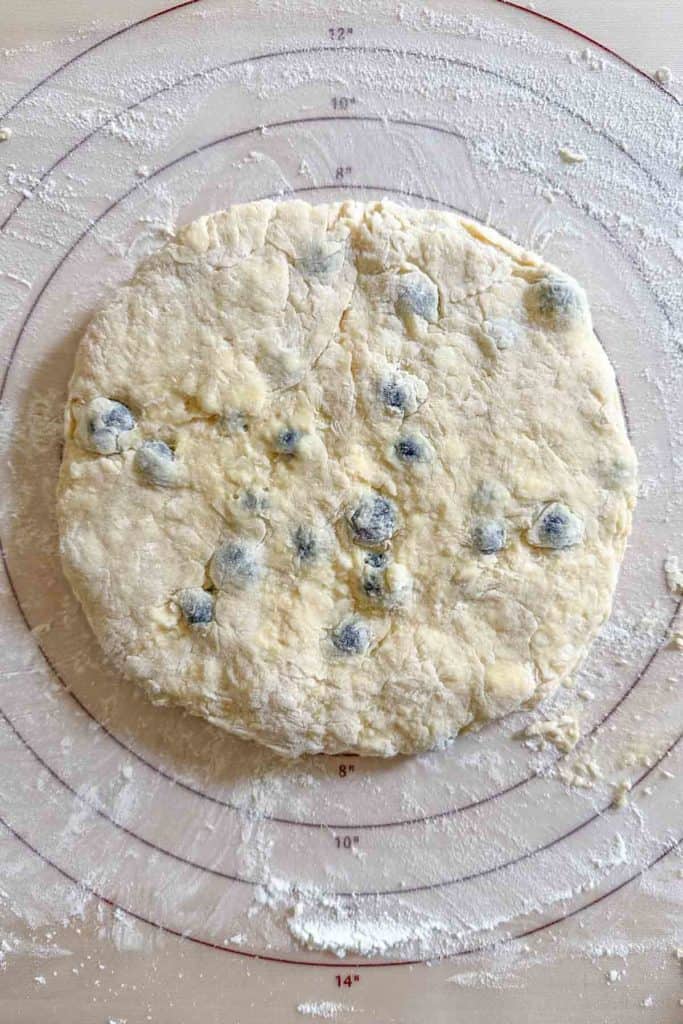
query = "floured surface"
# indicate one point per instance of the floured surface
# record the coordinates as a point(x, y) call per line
point(231, 848)
point(345, 478)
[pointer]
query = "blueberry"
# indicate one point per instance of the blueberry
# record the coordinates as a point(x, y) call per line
point(391, 585)
point(322, 260)
point(196, 605)
point(305, 543)
point(376, 559)
point(155, 462)
point(394, 395)
point(103, 425)
point(555, 298)
point(373, 584)
point(287, 441)
point(411, 449)
point(254, 502)
point(556, 526)
point(118, 417)
point(418, 295)
point(235, 564)
point(373, 521)
point(351, 637)
point(489, 535)
point(401, 392)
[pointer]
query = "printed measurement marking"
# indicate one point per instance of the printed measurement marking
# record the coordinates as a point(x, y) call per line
point(345, 769)
point(346, 842)
point(342, 173)
point(337, 33)
point(346, 980)
point(343, 102)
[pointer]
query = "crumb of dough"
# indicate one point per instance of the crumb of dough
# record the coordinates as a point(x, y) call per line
point(581, 774)
point(620, 794)
point(674, 575)
point(572, 156)
point(563, 733)
point(676, 639)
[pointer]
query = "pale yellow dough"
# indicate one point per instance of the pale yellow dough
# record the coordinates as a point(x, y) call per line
point(272, 317)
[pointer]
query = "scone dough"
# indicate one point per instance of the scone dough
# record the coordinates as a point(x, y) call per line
point(350, 477)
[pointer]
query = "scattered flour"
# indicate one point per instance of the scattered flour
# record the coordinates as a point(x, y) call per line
point(324, 1010)
point(341, 932)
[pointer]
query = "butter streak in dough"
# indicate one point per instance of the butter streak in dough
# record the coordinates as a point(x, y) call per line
point(349, 477)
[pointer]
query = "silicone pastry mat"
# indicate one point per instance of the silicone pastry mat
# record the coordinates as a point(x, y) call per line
point(143, 848)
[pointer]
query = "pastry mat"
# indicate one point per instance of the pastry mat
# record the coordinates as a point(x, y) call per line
point(152, 868)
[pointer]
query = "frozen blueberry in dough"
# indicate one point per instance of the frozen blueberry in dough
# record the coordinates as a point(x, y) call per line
point(155, 462)
point(254, 502)
point(197, 606)
point(416, 294)
point(489, 535)
point(373, 520)
point(556, 526)
point(373, 583)
point(288, 440)
point(322, 260)
point(305, 544)
point(394, 394)
point(104, 426)
point(389, 585)
point(351, 637)
point(402, 392)
point(556, 299)
point(235, 564)
point(411, 448)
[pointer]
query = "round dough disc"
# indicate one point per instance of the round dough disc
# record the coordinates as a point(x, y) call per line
point(350, 477)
